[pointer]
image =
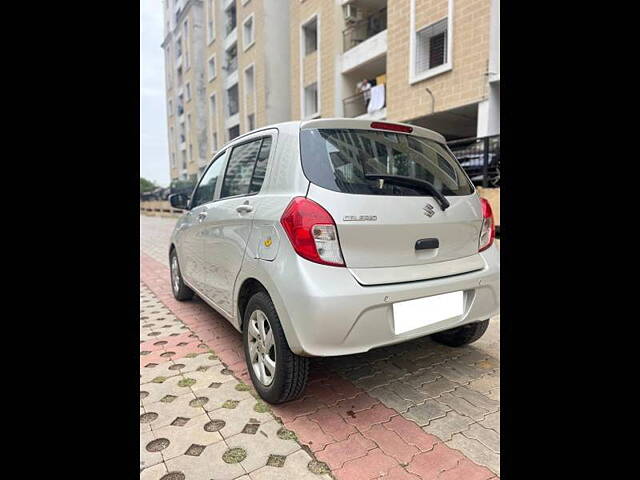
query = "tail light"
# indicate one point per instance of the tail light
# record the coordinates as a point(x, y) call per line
point(488, 230)
point(312, 232)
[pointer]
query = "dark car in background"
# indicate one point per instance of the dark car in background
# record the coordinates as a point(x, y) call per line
point(471, 153)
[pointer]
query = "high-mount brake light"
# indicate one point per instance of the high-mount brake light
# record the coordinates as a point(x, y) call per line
point(312, 232)
point(488, 230)
point(391, 126)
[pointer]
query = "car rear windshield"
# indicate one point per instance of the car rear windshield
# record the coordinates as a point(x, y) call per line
point(345, 160)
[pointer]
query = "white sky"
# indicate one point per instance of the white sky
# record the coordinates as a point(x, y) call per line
point(154, 152)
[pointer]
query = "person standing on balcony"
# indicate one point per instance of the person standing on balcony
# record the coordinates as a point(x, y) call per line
point(364, 87)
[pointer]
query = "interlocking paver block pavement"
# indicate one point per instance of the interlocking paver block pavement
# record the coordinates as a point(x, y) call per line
point(409, 411)
point(185, 427)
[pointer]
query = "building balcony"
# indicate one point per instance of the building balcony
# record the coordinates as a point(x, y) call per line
point(371, 49)
point(231, 66)
point(230, 38)
point(358, 32)
point(360, 106)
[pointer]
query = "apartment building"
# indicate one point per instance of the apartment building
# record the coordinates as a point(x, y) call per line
point(184, 50)
point(433, 63)
point(237, 78)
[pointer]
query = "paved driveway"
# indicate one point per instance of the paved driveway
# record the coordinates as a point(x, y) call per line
point(413, 410)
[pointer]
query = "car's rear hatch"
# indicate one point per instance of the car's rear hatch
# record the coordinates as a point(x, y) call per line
point(388, 232)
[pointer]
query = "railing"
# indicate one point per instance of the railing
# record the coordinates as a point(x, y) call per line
point(356, 105)
point(363, 29)
point(231, 65)
point(480, 158)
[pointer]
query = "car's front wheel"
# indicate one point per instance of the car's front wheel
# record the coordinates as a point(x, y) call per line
point(180, 290)
point(278, 374)
point(464, 335)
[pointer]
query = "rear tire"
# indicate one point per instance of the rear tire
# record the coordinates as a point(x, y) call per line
point(290, 372)
point(464, 335)
point(180, 291)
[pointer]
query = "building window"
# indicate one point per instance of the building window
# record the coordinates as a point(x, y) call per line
point(188, 91)
point(431, 46)
point(249, 84)
point(231, 59)
point(248, 33)
point(230, 18)
point(186, 43)
point(251, 122)
point(211, 21)
point(234, 132)
point(311, 100)
point(180, 77)
point(180, 105)
point(310, 33)
point(212, 67)
point(213, 115)
point(232, 100)
point(179, 48)
point(173, 160)
point(170, 108)
point(190, 153)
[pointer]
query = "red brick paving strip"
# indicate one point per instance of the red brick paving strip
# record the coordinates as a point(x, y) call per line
point(354, 433)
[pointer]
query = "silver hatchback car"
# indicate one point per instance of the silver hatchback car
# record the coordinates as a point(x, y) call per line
point(332, 237)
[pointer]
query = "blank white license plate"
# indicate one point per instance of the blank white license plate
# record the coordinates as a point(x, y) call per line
point(425, 311)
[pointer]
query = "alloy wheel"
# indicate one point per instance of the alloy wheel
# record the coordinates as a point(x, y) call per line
point(262, 348)
point(175, 274)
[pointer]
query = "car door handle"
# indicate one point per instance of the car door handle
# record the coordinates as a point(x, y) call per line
point(427, 243)
point(244, 208)
point(202, 216)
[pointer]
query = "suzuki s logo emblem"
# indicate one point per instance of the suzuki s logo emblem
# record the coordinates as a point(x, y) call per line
point(428, 210)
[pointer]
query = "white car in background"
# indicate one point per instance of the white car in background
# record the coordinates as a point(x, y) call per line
point(332, 237)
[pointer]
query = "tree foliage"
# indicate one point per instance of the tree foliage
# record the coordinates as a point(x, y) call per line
point(146, 185)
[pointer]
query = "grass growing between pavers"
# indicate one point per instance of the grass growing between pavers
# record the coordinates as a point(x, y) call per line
point(231, 404)
point(234, 455)
point(318, 467)
point(285, 434)
point(186, 382)
point(261, 407)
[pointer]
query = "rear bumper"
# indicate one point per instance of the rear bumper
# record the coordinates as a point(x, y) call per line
point(327, 312)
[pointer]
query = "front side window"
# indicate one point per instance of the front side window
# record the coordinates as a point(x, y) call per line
point(207, 187)
point(373, 162)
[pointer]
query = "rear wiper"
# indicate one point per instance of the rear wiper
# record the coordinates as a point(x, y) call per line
point(412, 182)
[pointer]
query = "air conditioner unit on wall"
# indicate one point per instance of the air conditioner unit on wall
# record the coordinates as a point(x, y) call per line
point(351, 13)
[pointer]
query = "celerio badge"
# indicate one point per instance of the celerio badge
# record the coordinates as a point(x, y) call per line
point(361, 218)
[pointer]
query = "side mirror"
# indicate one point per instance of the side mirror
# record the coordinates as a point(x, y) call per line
point(179, 201)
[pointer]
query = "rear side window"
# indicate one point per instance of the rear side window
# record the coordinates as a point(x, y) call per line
point(261, 166)
point(246, 168)
point(353, 161)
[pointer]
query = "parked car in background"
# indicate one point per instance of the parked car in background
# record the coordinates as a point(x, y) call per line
point(471, 156)
point(336, 236)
